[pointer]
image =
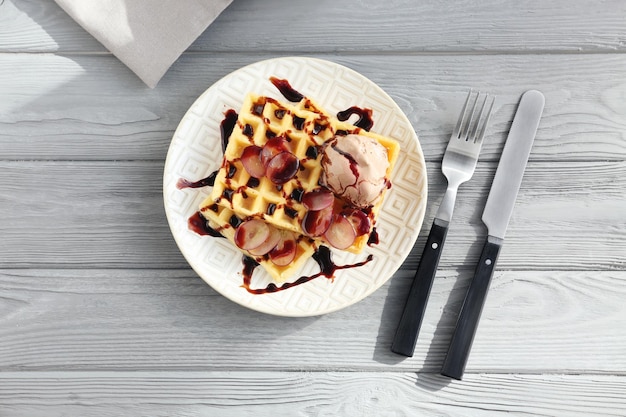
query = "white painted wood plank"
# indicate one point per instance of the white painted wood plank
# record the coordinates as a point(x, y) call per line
point(86, 107)
point(533, 322)
point(41, 26)
point(144, 340)
point(110, 214)
point(307, 394)
point(356, 25)
point(105, 213)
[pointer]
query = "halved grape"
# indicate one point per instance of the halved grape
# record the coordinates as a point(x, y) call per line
point(282, 167)
point(251, 160)
point(360, 221)
point(318, 199)
point(273, 147)
point(340, 234)
point(285, 251)
point(270, 243)
point(251, 234)
point(316, 222)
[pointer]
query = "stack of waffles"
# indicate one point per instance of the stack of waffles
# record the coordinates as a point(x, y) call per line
point(238, 197)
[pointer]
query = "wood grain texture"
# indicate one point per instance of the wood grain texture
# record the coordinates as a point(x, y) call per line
point(92, 107)
point(100, 315)
point(110, 214)
point(307, 394)
point(36, 26)
point(171, 320)
point(399, 26)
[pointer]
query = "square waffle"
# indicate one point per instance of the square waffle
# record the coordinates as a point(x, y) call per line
point(221, 219)
point(306, 127)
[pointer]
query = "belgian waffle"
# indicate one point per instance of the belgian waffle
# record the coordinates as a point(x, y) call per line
point(306, 127)
point(223, 220)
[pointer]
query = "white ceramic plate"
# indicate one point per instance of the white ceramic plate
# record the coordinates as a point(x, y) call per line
point(195, 152)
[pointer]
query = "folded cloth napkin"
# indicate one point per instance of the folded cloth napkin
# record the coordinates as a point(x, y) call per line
point(146, 35)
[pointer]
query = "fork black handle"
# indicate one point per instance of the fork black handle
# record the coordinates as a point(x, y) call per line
point(413, 314)
point(467, 322)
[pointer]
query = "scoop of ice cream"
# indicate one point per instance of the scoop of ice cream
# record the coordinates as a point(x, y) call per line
point(354, 168)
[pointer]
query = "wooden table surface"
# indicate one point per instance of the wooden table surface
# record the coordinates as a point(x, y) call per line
point(100, 315)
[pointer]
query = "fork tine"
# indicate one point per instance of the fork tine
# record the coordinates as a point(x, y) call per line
point(477, 124)
point(461, 122)
point(466, 128)
point(483, 128)
point(472, 126)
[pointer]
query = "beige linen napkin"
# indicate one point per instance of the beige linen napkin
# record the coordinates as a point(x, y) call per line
point(146, 35)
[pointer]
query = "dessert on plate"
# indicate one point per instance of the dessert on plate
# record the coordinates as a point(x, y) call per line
point(295, 178)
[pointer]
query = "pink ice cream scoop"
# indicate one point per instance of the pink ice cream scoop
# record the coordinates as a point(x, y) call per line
point(355, 168)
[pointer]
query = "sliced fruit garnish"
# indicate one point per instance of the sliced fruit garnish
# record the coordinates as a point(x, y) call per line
point(285, 251)
point(251, 160)
point(251, 234)
point(282, 167)
point(360, 221)
point(273, 147)
point(318, 199)
point(316, 222)
point(270, 243)
point(340, 234)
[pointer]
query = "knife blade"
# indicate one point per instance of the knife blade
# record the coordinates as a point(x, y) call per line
point(496, 216)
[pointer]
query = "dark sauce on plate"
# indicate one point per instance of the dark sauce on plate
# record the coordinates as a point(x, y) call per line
point(373, 239)
point(198, 224)
point(323, 258)
point(227, 126)
point(365, 120)
point(204, 182)
point(287, 90)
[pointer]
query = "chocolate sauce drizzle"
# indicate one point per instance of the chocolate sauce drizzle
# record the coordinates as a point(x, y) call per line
point(204, 182)
point(298, 122)
point(353, 163)
point(198, 224)
point(253, 182)
point(227, 126)
point(365, 120)
point(248, 131)
point(287, 90)
point(226, 129)
point(323, 258)
point(373, 239)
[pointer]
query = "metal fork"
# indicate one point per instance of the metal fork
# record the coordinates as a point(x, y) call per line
point(458, 165)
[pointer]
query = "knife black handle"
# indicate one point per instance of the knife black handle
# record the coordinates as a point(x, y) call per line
point(465, 329)
point(411, 321)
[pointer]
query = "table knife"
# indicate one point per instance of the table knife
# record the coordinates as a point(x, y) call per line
point(496, 216)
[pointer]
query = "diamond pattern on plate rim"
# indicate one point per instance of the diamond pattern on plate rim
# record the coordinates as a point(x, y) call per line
point(196, 150)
